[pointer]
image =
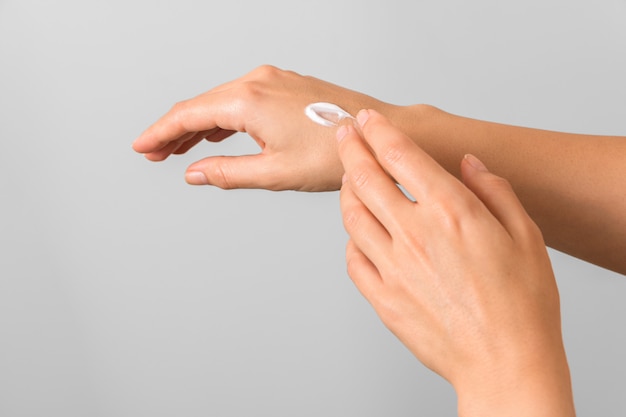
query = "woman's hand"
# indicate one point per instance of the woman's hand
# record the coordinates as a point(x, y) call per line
point(460, 275)
point(268, 104)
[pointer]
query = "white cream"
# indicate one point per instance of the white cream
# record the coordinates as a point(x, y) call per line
point(326, 114)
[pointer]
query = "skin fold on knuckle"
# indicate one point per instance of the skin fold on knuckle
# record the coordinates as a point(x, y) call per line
point(219, 175)
point(352, 219)
point(359, 177)
point(392, 154)
point(494, 186)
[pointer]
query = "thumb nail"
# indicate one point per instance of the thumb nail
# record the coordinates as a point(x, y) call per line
point(196, 178)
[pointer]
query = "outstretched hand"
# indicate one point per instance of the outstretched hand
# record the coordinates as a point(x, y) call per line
point(460, 274)
point(268, 104)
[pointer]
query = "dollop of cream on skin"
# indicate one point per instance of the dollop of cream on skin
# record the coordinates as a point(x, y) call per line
point(326, 114)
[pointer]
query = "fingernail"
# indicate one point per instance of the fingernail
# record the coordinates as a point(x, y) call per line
point(341, 133)
point(344, 178)
point(362, 117)
point(196, 178)
point(475, 162)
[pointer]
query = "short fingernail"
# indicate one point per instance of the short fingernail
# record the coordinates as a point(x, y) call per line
point(362, 117)
point(344, 178)
point(196, 178)
point(475, 162)
point(341, 133)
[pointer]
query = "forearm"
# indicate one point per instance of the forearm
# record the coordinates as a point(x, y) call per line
point(572, 185)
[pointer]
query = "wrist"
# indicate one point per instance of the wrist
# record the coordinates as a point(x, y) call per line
point(415, 120)
point(433, 130)
point(530, 388)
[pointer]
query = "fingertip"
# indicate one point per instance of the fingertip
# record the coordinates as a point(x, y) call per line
point(475, 163)
point(137, 145)
point(363, 116)
point(369, 121)
point(144, 144)
point(341, 133)
point(497, 194)
point(346, 134)
point(155, 156)
point(470, 167)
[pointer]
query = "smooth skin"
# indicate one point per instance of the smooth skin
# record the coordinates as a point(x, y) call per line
point(269, 105)
point(459, 273)
point(571, 185)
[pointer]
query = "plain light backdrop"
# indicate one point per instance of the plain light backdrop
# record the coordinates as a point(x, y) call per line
point(125, 292)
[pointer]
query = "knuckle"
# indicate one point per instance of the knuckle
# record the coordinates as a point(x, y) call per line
point(220, 177)
point(360, 177)
point(250, 90)
point(351, 218)
point(531, 233)
point(414, 242)
point(351, 259)
point(393, 154)
point(266, 71)
point(353, 266)
point(179, 110)
point(388, 311)
point(449, 215)
point(495, 184)
point(251, 95)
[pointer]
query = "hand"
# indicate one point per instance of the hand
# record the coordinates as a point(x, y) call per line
point(460, 275)
point(268, 104)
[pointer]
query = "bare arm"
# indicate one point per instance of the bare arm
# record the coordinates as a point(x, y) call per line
point(573, 186)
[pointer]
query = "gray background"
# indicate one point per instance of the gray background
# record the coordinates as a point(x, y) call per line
point(125, 292)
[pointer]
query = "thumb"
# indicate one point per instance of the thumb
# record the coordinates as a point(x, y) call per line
point(497, 195)
point(229, 172)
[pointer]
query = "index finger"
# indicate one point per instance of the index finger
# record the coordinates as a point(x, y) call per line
point(212, 110)
point(369, 182)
